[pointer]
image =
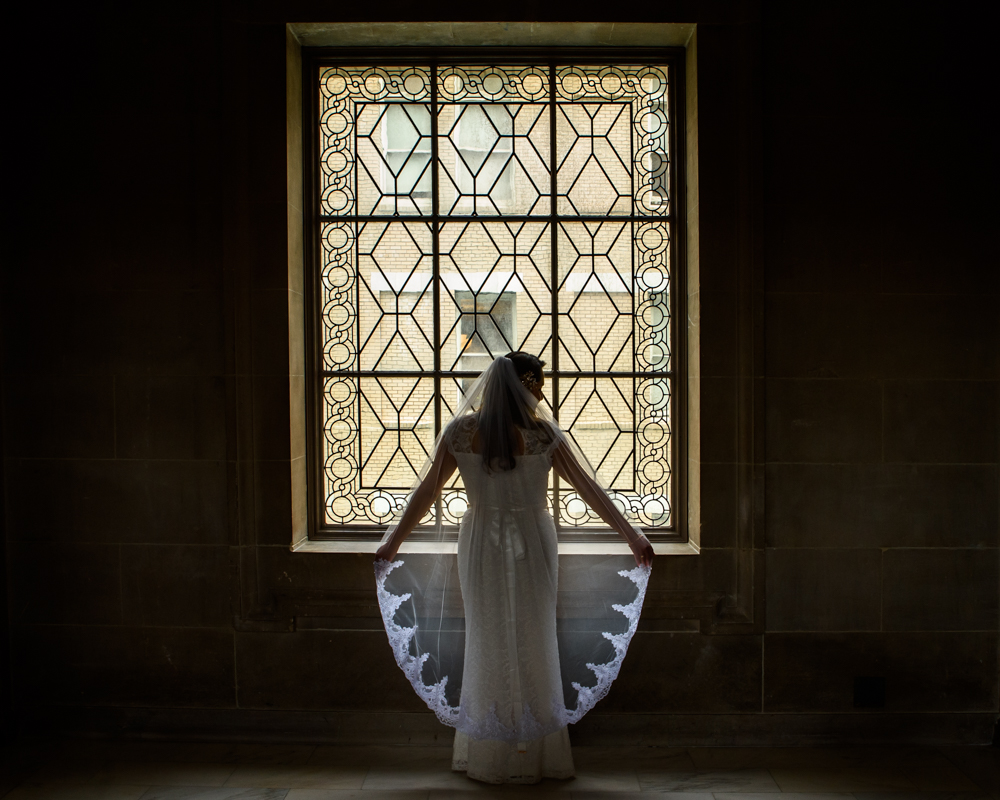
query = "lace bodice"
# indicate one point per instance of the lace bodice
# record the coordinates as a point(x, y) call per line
point(524, 486)
point(461, 432)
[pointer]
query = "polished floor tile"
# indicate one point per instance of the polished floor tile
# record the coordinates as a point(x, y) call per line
point(823, 757)
point(920, 795)
point(585, 795)
point(934, 777)
point(335, 794)
point(212, 793)
point(781, 796)
point(75, 792)
point(725, 758)
point(52, 773)
point(654, 759)
point(239, 771)
point(298, 776)
point(737, 780)
point(412, 777)
point(160, 773)
point(587, 780)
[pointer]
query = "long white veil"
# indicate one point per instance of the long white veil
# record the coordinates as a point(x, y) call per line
point(599, 597)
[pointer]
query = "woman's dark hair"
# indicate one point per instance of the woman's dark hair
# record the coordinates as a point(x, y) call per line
point(503, 450)
point(525, 363)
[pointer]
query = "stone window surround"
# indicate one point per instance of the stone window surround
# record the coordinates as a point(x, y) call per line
point(486, 34)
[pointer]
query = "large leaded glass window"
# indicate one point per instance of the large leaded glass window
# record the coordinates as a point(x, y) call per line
point(462, 211)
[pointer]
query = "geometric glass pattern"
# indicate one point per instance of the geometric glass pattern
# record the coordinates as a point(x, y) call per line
point(468, 210)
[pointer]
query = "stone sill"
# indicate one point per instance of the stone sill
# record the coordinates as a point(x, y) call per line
point(565, 548)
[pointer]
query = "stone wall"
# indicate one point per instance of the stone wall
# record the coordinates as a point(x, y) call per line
point(849, 415)
point(882, 367)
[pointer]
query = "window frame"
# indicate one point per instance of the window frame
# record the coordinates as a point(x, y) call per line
point(674, 58)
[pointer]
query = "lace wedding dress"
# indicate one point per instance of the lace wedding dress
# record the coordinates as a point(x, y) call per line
point(509, 574)
point(511, 713)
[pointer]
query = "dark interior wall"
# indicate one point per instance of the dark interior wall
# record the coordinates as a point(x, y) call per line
point(881, 320)
point(6, 707)
point(845, 166)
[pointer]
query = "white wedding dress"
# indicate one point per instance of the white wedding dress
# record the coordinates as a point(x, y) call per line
point(509, 573)
point(484, 654)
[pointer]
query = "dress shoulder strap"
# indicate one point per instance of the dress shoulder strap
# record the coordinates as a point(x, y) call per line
point(459, 434)
point(538, 441)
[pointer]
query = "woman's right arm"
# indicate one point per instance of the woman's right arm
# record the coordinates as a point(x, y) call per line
point(569, 469)
point(444, 467)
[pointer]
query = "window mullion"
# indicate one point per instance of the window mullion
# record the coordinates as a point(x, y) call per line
point(554, 310)
point(436, 275)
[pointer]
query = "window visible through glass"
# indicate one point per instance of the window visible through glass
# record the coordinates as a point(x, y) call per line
point(406, 142)
point(485, 145)
point(488, 328)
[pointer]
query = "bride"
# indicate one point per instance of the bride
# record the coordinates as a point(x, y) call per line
point(511, 717)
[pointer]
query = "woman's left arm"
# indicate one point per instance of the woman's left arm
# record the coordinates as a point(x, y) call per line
point(444, 467)
point(569, 469)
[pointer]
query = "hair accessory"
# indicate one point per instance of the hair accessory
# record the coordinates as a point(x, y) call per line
point(529, 381)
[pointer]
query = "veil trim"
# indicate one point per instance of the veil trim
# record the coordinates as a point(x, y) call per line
point(490, 727)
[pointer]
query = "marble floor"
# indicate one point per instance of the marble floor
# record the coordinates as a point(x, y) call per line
point(85, 770)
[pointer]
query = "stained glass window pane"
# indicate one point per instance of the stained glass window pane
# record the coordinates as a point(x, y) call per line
point(466, 211)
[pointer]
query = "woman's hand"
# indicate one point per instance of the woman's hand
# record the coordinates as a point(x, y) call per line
point(642, 550)
point(387, 552)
